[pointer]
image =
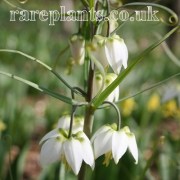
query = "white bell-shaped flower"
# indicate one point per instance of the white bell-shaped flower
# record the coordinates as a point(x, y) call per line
point(72, 151)
point(97, 50)
point(114, 143)
point(114, 96)
point(116, 53)
point(64, 123)
point(113, 24)
point(98, 84)
point(77, 46)
point(109, 51)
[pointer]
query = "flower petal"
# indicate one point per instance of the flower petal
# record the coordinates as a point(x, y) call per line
point(124, 55)
point(73, 153)
point(98, 52)
point(64, 122)
point(117, 53)
point(52, 134)
point(78, 124)
point(77, 47)
point(111, 55)
point(133, 147)
point(119, 144)
point(116, 94)
point(101, 130)
point(87, 154)
point(97, 84)
point(50, 152)
point(103, 143)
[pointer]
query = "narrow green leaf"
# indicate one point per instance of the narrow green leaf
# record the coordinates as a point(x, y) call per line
point(85, 3)
point(169, 52)
point(147, 89)
point(42, 64)
point(12, 5)
point(40, 88)
point(99, 99)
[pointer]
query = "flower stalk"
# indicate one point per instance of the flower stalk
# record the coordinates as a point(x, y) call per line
point(118, 113)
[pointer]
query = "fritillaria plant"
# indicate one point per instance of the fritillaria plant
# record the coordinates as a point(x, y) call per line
point(103, 58)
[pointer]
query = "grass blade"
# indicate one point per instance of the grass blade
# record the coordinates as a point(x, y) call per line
point(39, 88)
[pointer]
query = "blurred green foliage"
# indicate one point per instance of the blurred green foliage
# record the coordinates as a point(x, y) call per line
point(27, 115)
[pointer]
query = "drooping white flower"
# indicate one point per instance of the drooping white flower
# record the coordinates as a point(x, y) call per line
point(116, 53)
point(98, 83)
point(64, 123)
point(109, 51)
point(97, 50)
point(77, 46)
point(114, 96)
point(114, 143)
point(113, 24)
point(72, 151)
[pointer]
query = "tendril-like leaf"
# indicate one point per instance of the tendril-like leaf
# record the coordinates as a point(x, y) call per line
point(42, 64)
point(171, 19)
point(39, 88)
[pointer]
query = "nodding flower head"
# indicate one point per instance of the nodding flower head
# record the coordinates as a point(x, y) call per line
point(72, 151)
point(77, 46)
point(98, 83)
point(114, 143)
point(109, 51)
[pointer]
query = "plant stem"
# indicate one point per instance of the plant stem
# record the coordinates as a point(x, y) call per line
point(82, 172)
point(89, 117)
point(118, 113)
point(89, 111)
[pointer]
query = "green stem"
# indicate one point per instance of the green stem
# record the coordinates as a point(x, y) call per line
point(89, 111)
point(12, 5)
point(71, 121)
point(173, 18)
point(89, 117)
point(149, 88)
point(85, 3)
point(108, 23)
point(118, 113)
point(41, 63)
point(59, 55)
point(41, 88)
point(89, 114)
point(72, 116)
point(91, 4)
point(82, 172)
point(99, 99)
point(88, 121)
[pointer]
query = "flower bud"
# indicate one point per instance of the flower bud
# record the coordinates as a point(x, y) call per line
point(98, 83)
point(77, 46)
point(115, 3)
point(97, 50)
point(114, 96)
point(109, 51)
point(116, 53)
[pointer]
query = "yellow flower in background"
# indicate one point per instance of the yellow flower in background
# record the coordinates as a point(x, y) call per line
point(153, 103)
point(128, 106)
point(2, 126)
point(170, 109)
